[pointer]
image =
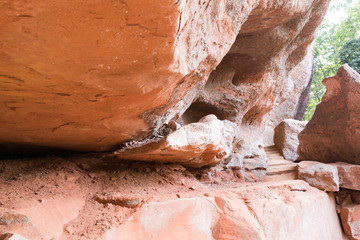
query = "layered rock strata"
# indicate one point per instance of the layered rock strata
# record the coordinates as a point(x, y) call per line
point(91, 76)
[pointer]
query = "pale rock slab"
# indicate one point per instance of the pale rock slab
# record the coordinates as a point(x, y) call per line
point(49, 216)
point(289, 210)
point(286, 137)
point(205, 143)
point(248, 154)
point(319, 175)
point(189, 218)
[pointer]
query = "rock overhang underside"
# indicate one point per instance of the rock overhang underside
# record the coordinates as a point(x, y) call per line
point(90, 77)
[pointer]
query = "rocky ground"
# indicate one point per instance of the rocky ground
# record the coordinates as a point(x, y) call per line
point(99, 197)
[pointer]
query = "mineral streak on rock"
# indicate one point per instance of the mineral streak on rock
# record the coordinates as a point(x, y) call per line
point(89, 76)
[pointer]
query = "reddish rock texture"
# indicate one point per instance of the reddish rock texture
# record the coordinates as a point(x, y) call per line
point(294, 97)
point(230, 216)
point(349, 175)
point(350, 219)
point(93, 197)
point(90, 76)
point(333, 133)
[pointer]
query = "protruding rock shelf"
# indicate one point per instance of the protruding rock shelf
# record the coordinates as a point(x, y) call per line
point(91, 76)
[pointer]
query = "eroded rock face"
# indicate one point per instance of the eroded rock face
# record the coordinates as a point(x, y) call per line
point(90, 76)
point(294, 98)
point(254, 76)
point(333, 135)
point(286, 137)
point(205, 143)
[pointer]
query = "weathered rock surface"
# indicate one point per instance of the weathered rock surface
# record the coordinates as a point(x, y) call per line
point(286, 137)
point(126, 68)
point(265, 212)
point(294, 98)
point(236, 89)
point(48, 216)
point(64, 200)
point(319, 175)
point(349, 175)
point(333, 133)
point(248, 154)
point(204, 143)
point(350, 219)
point(189, 218)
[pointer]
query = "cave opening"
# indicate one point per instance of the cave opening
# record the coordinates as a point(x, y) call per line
point(198, 110)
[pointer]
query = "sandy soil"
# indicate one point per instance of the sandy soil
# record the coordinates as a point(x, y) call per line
point(103, 190)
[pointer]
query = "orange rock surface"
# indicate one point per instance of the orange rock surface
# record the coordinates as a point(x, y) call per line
point(91, 75)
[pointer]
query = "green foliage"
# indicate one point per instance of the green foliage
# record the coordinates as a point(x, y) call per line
point(333, 41)
point(350, 54)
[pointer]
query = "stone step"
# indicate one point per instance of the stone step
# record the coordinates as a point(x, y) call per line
point(280, 162)
point(278, 167)
point(273, 170)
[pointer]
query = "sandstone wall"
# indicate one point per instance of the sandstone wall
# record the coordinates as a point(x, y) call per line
point(91, 75)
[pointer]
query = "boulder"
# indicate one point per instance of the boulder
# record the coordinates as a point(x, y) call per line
point(91, 76)
point(205, 143)
point(348, 175)
point(322, 176)
point(333, 135)
point(286, 137)
point(350, 219)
